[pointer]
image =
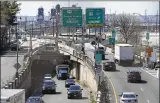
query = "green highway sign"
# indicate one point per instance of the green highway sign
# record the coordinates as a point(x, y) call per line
point(98, 58)
point(111, 40)
point(95, 17)
point(72, 17)
point(147, 36)
point(113, 33)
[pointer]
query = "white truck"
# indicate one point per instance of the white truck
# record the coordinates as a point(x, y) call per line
point(124, 54)
point(12, 95)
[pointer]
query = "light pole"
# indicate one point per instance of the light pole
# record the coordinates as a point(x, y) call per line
point(147, 39)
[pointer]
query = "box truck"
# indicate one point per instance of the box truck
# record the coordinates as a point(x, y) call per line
point(12, 95)
point(124, 54)
point(62, 72)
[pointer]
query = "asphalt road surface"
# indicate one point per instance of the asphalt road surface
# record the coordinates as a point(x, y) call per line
point(147, 90)
point(61, 95)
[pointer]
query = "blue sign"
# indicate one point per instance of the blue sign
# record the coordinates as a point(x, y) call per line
point(99, 68)
point(98, 58)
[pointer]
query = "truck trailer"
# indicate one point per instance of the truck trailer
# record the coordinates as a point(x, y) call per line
point(12, 95)
point(124, 54)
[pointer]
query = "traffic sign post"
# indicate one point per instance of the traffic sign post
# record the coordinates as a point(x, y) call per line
point(147, 36)
point(98, 58)
point(72, 17)
point(17, 66)
point(111, 40)
point(95, 17)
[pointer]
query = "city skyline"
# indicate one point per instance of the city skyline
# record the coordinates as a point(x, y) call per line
point(151, 7)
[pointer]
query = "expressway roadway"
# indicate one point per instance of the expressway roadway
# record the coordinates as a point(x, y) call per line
point(148, 90)
point(61, 94)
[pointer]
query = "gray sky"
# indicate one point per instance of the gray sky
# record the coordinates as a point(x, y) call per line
point(29, 8)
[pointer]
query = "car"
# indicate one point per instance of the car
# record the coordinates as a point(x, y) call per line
point(128, 97)
point(69, 82)
point(47, 75)
point(49, 86)
point(35, 99)
point(74, 91)
point(14, 47)
point(47, 78)
point(24, 39)
point(93, 43)
point(109, 65)
point(133, 75)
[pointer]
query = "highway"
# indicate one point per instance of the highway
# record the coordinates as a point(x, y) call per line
point(148, 90)
point(61, 96)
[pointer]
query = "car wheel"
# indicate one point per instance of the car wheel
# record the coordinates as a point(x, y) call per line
point(128, 81)
point(139, 81)
point(54, 91)
point(69, 97)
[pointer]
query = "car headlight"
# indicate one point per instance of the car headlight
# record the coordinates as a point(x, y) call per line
point(69, 92)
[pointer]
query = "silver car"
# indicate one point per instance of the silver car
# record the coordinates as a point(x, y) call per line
point(128, 97)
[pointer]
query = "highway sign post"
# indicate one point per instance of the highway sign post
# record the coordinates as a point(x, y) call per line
point(72, 17)
point(98, 58)
point(95, 17)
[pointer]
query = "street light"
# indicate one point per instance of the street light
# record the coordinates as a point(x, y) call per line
point(147, 32)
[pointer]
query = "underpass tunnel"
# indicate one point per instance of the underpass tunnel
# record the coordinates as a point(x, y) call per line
point(44, 64)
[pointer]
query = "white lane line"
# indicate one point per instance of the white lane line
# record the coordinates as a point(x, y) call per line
point(149, 73)
point(141, 89)
point(148, 101)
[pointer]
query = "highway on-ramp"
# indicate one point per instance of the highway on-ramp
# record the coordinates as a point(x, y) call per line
point(147, 90)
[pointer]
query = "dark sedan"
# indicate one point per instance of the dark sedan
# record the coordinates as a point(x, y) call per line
point(35, 99)
point(69, 82)
point(74, 91)
point(109, 65)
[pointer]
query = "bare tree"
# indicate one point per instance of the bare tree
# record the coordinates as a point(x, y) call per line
point(129, 27)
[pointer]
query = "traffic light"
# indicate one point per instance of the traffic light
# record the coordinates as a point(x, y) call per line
point(58, 8)
point(12, 20)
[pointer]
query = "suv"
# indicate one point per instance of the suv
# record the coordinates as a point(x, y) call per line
point(109, 65)
point(74, 91)
point(49, 86)
point(133, 75)
point(14, 47)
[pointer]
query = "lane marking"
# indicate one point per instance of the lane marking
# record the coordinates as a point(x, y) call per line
point(148, 101)
point(141, 89)
point(114, 91)
point(149, 73)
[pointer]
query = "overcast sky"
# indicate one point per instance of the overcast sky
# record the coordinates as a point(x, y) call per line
point(29, 8)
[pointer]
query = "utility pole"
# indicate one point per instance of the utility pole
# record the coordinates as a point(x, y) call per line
point(17, 47)
point(31, 33)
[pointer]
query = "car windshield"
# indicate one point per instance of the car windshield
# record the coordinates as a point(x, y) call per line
point(63, 68)
point(34, 99)
point(47, 75)
point(134, 73)
point(129, 96)
point(47, 78)
point(74, 88)
point(48, 83)
point(101, 48)
point(111, 63)
point(70, 80)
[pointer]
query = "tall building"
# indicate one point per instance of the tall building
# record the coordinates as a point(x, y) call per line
point(40, 14)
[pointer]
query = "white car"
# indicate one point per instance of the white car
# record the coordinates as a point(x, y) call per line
point(128, 97)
